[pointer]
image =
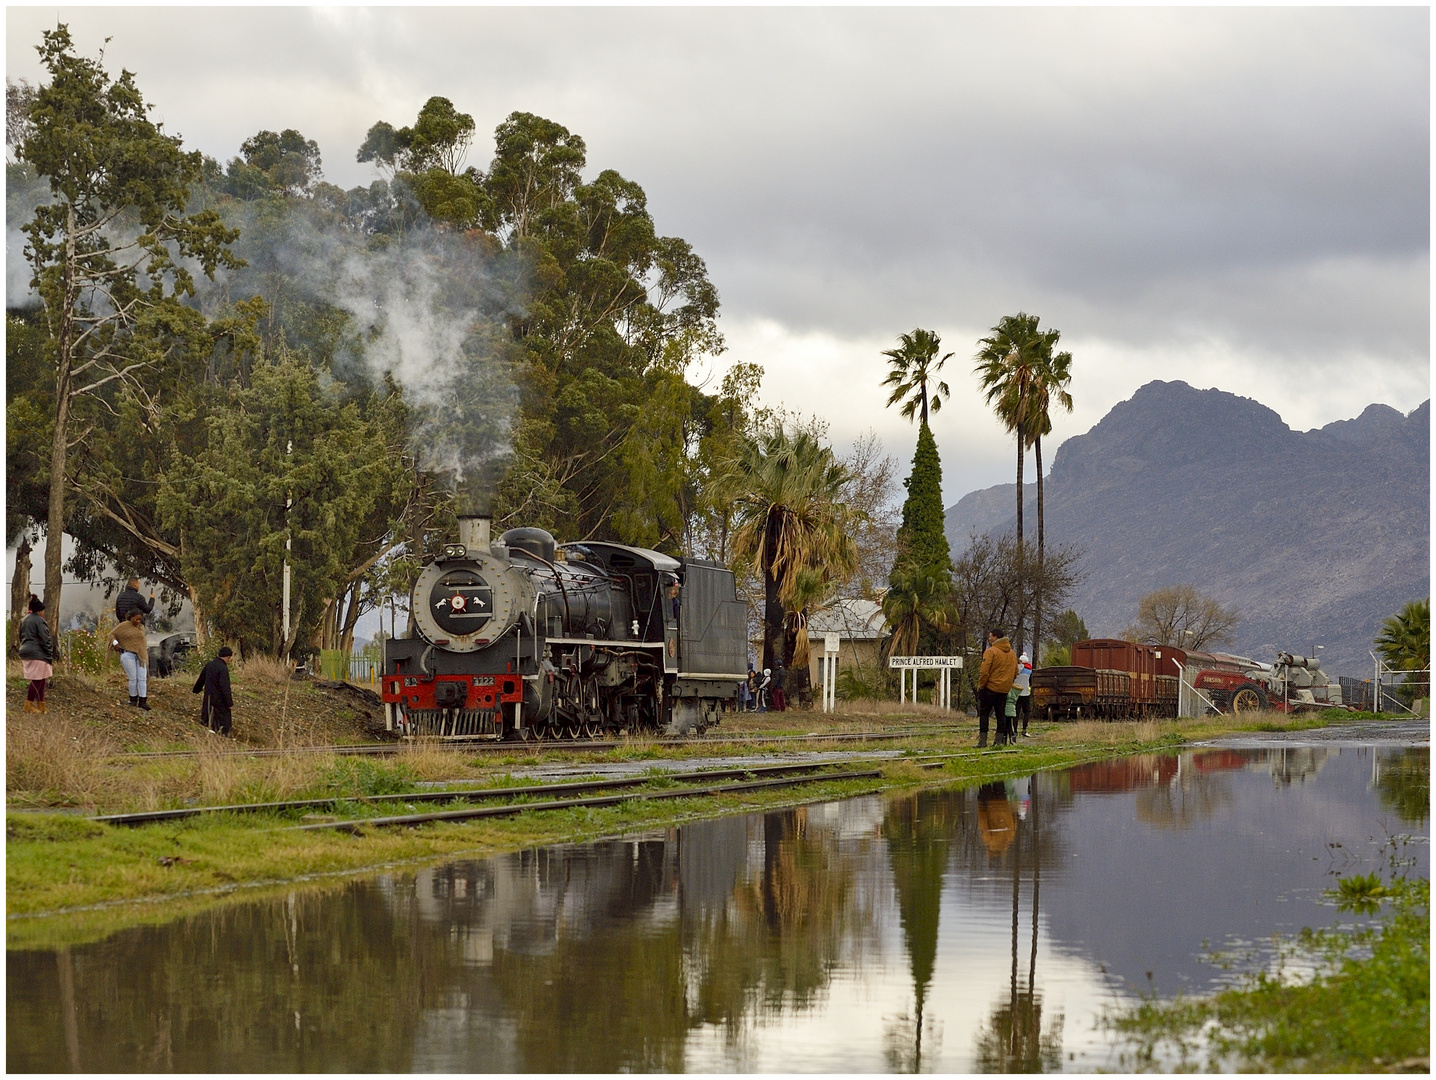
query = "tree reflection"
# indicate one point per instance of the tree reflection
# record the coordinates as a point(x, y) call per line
point(779, 940)
point(918, 830)
point(622, 994)
point(268, 986)
point(1403, 782)
point(1012, 1039)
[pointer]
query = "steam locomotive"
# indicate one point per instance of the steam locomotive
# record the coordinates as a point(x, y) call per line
point(525, 638)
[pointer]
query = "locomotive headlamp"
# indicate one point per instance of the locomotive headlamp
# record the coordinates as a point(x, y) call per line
point(455, 551)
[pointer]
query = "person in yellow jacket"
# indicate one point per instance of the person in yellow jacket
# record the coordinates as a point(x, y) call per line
point(994, 679)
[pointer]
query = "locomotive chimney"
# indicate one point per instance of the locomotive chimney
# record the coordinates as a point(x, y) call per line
point(474, 532)
point(473, 506)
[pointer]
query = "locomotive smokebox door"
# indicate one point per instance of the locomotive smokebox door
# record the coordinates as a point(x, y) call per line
point(461, 602)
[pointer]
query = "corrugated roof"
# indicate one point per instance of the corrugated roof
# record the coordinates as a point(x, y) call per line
point(852, 617)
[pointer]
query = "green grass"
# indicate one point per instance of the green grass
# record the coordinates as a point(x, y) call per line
point(1367, 1009)
point(59, 863)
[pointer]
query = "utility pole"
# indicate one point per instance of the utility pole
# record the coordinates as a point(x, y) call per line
point(288, 547)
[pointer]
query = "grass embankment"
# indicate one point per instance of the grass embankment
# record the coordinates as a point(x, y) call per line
point(1368, 1008)
point(58, 863)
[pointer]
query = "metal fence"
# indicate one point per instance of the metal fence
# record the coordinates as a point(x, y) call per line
point(1402, 692)
point(1191, 701)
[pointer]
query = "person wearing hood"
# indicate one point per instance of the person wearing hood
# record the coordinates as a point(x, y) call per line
point(1023, 685)
point(994, 680)
point(37, 654)
point(765, 685)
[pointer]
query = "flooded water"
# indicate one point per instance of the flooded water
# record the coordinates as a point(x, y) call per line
point(979, 929)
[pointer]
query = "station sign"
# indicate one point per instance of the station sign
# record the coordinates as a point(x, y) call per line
point(924, 661)
point(830, 642)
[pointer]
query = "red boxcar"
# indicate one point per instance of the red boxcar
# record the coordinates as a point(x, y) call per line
point(1144, 665)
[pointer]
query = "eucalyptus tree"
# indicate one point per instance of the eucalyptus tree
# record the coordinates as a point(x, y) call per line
point(786, 491)
point(110, 255)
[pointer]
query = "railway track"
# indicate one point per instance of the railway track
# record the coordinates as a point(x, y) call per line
point(490, 747)
point(700, 783)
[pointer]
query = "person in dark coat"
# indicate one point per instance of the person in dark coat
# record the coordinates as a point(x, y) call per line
point(780, 687)
point(215, 706)
point(37, 654)
point(130, 600)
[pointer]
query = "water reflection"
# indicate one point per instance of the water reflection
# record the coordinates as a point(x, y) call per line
point(947, 930)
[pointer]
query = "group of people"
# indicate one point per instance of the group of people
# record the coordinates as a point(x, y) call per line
point(37, 656)
point(758, 693)
point(217, 704)
point(1004, 687)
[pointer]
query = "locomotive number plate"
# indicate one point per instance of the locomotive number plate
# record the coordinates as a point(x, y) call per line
point(483, 680)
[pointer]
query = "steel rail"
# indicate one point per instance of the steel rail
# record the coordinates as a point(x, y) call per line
point(355, 824)
point(385, 749)
point(146, 817)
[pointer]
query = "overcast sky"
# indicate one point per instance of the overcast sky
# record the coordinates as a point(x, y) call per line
point(1236, 198)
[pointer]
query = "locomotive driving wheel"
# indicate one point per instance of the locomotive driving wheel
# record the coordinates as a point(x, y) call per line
point(1246, 699)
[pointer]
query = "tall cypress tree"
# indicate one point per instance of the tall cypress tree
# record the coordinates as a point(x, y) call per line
point(922, 543)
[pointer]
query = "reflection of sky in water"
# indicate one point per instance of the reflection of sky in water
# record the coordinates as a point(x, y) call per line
point(786, 942)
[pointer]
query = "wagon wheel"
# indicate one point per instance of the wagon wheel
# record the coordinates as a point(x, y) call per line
point(1247, 699)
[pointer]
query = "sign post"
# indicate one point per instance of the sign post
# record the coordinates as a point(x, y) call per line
point(831, 642)
point(945, 664)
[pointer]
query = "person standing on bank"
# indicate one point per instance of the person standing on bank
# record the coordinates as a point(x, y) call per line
point(215, 706)
point(129, 640)
point(130, 600)
point(37, 654)
point(1023, 683)
point(780, 687)
point(765, 688)
point(994, 679)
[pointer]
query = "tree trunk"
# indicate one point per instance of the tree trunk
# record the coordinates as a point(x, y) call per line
point(296, 616)
point(351, 617)
point(1021, 577)
point(59, 444)
point(1041, 556)
point(201, 624)
point(772, 606)
point(19, 591)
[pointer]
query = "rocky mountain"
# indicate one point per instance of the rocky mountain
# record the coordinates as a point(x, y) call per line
point(1316, 536)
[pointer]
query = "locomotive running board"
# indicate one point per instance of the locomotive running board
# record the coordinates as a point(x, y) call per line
point(603, 641)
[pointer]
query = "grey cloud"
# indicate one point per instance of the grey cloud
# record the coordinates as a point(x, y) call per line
point(1254, 178)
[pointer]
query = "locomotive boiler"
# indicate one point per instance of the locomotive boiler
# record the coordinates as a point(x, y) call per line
point(525, 638)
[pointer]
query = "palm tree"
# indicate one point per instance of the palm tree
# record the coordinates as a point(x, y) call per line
point(1024, 380)
point(1049, 388)
point(1405, 639)
point(1008, 362)
point(786, 494)
point(915, 598)
point(914, 364)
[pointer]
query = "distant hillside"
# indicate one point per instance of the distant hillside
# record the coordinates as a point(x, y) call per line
point(1316, 536)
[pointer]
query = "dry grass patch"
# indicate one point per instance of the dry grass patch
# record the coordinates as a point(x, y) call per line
point(55, 761)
